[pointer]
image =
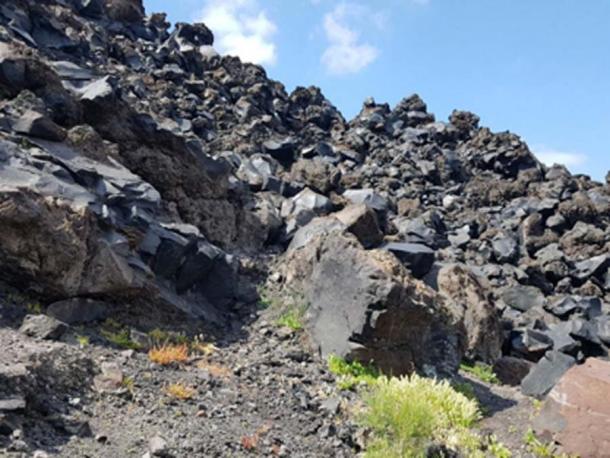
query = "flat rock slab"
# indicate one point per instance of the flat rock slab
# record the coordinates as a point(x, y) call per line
point(78, 310)
point(546, 373)
point(43, 327)
point(577, 410)
point(11, 404)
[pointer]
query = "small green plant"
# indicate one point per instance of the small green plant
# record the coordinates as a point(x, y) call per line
point(351, 374)
point(466, 389)
point(121, 339)
point(159, 336)
point(497, 449)
point(34, 308)
point(536, 446)
point(406, 414)
point(128, 383)
point(292, 319)
point(116, 333)
point(83, 341)
point(288, 309)
point(541, 449)
point(537, 404)
point(265, 299)
point(481, 371)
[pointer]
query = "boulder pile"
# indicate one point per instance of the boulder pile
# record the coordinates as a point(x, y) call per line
point(137, 162)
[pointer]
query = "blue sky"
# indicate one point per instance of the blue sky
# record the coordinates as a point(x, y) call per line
point(540, 68)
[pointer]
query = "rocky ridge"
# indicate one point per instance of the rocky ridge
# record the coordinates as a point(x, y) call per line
point(143, 172)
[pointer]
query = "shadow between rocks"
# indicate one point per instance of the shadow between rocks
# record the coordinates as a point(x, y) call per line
point(490, 402)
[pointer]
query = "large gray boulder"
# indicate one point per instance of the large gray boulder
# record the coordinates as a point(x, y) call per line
point(365, 305)
point(480, 318)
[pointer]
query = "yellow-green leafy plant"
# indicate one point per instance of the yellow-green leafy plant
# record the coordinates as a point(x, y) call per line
point(128, 383)
point(115, 333)
point(465, 388)
point(497, 449)
point(83, 341)
point(351, 373)
point(121, 339)
point(481, 371)
point(34, 308)
point(542, 449)
point(292, 319)
point(407, 414)
point(159, 336)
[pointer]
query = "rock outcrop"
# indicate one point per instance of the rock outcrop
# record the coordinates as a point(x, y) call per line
point(136, 162)
point(364, 305)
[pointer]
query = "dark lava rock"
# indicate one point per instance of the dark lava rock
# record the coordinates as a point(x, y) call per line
point(531, 343)
point(416, 257)
point(284, 150)
point(591, 307)
point(368, 197)
point(78, 310)
point(546, 373)
point(522, 297)
point(361, 221)
point(378, 309)
point(511, 370)
point(37, 125)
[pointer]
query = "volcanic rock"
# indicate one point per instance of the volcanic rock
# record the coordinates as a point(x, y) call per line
point(546, 373)
point(576, 417)
point(361, 221)
point(418, 258)
point(378, 309)
point(479, 317)
point(43, 327)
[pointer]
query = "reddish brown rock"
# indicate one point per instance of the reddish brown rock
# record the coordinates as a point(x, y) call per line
point(577, 411)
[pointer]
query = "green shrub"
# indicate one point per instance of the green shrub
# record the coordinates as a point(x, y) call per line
point(121, 338)
point(351, 374)
point(541, 449)
point(292, 319)
point(128, 383)
point(160, 337)
point(466, 389)
point(407, 414)
point(34, 308)
point(119, 335)
point(497, 449)
point(287, 308)
point(481, 371)
point(83, 341)
point(265, 299)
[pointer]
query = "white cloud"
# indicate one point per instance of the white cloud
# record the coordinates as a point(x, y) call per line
point(550, 156)
point(241, 28)
point(346, 53)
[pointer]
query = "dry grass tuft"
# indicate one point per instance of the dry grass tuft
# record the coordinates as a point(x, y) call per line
point(180, 391)
point(215, 370)
point(167, 354)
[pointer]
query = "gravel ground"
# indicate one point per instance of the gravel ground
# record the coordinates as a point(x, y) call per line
point(256, 391)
